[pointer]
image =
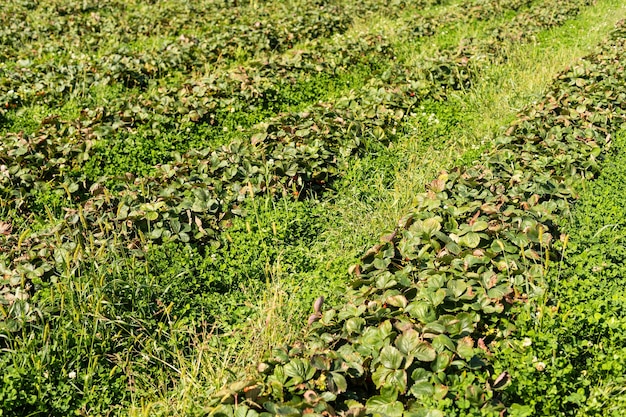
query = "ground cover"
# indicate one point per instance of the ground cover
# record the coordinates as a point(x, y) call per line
point(145, 319)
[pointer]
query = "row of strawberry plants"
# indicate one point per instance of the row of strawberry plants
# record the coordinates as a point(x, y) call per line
point(257, 84)
point(470, 11)
point(51, 82)
point(60, 149)
point(215, 36)
point(191, 198)
point(278, 22)
point(199, 101)
point(74, 75)
point(427, 302)
point(209, 101)
point(100, 23)
point(376, 110)
point(201, 107)
point(457, 68)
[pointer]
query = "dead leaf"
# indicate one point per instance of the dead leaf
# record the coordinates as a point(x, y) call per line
point(5, 228)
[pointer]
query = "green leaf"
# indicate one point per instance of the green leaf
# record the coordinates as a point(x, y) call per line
point(175, 225)
point(391, 358)
point(408, 341)
point(280, 355)
point(152, 215)
point(420, 374)
point(303, 133)
point(395, 379)
point(465, 348)
point(422, 389)
point(442, 342)
point(471, 240)
point(453, 248)
point(354, 325)
point(440, 392)
point(398, 380)
point(385, 280)
point(467, 322)
point(386, 329)
point(299, 371)
point(321, 362)
point(156, 233)
point(337, 383)
point(385, 405)
point(380, 375)
point(479, 226)
point(437, 297)
point(424, 352)
point(457, 287)
point(375, 338)
point(499, 291)
point(350, 310)
point(518, 410)
point(442, 362)
point(244, 411)
point(399, 301)
point(421, 310)
point(519, 239)
point(435, 327)
point(432, 225)
point(287, 411)
point(258, 137)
